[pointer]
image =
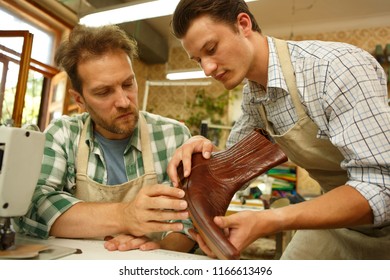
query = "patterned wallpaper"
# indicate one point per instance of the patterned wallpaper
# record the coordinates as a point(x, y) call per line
point(171, 101)
point(366, 39)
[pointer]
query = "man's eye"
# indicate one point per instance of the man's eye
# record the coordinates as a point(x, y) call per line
point(103, 93)
point(197, 60)
point(127, 85)
point(211, 50)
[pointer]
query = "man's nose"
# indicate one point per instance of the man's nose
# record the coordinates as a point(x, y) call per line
point(208, 66)
point(122, 99)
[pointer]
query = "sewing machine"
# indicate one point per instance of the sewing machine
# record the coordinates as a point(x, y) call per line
point(21, 151)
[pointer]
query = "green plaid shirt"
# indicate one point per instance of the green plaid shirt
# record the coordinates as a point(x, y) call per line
point(54, 191)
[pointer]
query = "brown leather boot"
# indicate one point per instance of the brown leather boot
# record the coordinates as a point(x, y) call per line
point(213, 182)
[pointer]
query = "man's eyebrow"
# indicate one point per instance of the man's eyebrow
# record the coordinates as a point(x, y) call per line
point(130, 77)
point(99, 87)
point(201, 49)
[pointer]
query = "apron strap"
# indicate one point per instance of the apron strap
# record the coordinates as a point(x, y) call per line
point(147, 155)
point(83, 150)
point(288, 73)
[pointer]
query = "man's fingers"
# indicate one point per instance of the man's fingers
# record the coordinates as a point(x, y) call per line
point(156, 226)
point(202, 245)
point(132, 244)
point(165, 204)
point(125, 242)
point(222, 222)
point(160, 197)
point(196, 144)
point(149, 246)
point(205, 248)
point(165, 215)
point(207, 148)
point(172, 167)
point(162, 190)
point(108, 237)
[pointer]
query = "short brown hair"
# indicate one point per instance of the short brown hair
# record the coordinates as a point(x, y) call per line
point(219, 10)
point(86, 42)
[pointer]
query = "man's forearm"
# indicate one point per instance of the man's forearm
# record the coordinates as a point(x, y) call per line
point(87, 220)
point(342, 207)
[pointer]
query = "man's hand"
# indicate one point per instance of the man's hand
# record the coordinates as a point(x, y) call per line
point(243, 228)
point(152, 209)
point(174, 241)
point(126, 242)
point(240, 228)
point(202, 244)
point(196, 144)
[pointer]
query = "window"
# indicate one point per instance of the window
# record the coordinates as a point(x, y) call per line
point(43, 42)
point(39, 71)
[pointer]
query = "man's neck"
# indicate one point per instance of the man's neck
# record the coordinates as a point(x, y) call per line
point(259, 69)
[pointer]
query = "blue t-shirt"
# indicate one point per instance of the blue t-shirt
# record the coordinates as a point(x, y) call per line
point(113, 151)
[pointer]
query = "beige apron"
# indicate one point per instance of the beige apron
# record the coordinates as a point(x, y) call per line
point(322, 160)
point(91, 191)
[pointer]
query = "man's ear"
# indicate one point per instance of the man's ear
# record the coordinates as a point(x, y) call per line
point(78, 98)
point(244, 23)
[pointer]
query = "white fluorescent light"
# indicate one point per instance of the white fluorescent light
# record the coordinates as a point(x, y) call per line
point(186, 75)
point(128, 13)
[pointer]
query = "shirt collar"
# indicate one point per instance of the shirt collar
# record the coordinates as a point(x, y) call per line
point(135, 140)
point(275, 76)
point(89, 136)
point(275, 80)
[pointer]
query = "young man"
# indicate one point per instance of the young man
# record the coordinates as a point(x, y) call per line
point(104, 171)
point(324, 104)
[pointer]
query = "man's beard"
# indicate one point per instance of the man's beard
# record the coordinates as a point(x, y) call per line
point(126, 128)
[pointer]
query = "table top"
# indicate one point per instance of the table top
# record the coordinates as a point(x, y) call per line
point(88, 249)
